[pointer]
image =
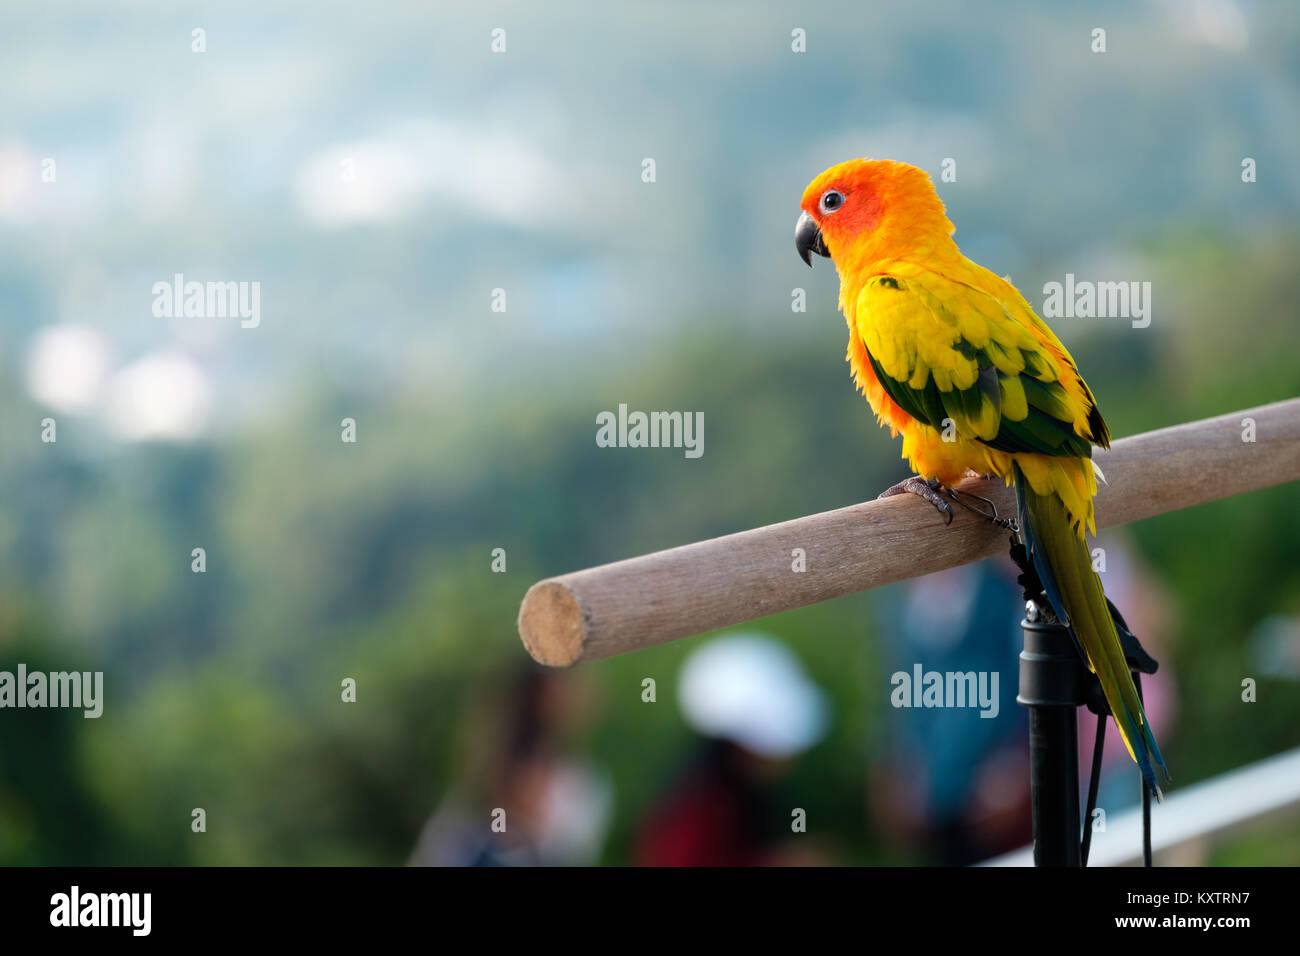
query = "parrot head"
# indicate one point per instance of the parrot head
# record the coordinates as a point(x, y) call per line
point(878, 203)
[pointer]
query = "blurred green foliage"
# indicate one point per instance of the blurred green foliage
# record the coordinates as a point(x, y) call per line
point(371, 561)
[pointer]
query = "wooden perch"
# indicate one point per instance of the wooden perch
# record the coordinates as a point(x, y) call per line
point(640, 602)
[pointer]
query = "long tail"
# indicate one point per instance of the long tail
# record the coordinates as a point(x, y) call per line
point(1065, 567)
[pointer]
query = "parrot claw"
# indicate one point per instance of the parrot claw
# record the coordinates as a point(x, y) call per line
point(928, 489)
point(991, 516)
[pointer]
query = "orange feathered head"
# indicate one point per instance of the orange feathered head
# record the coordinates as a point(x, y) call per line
point(888, 203)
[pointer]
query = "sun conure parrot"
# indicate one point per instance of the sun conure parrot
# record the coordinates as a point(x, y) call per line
point(954, 358)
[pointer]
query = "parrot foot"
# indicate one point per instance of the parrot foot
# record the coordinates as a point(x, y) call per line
point(927, 489)
point(932, 490)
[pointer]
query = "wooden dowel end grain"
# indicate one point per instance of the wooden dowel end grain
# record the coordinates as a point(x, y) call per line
point(632, 604)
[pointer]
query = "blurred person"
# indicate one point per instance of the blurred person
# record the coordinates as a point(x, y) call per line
point(947, 782)
point(953, 785)
point(555, 806)
point(756, 711)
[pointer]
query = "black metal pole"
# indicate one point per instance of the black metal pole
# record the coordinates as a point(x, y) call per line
point(1052, 686)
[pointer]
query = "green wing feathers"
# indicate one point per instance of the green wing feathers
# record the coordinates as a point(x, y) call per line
point(943, 350)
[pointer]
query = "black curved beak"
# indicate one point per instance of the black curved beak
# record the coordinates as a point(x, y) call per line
point(808, 239)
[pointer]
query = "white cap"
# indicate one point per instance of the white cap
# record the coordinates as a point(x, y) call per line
point(751, 690)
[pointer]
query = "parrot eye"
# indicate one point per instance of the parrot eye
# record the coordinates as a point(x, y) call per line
point(832, 199)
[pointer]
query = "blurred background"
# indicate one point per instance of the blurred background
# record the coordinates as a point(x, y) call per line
point(380, 171)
